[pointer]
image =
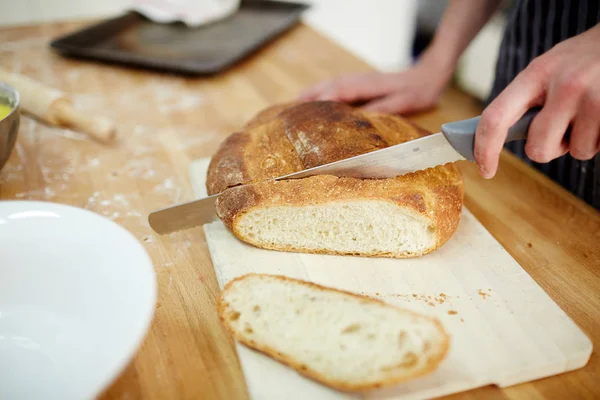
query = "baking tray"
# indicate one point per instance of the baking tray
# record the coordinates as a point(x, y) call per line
point(133, 40)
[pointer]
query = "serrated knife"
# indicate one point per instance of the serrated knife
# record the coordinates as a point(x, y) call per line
point(455, 142)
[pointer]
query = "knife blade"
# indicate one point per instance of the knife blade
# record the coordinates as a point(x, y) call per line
point(455, 142)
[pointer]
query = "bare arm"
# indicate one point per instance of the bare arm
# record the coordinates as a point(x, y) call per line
point(419, 87)
point(461, 22)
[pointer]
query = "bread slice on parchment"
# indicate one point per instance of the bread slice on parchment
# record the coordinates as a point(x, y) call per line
point(406, 216)
point(340, 339)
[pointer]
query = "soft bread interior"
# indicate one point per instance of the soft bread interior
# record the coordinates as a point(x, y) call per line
point(344, 340)
point(347, 227)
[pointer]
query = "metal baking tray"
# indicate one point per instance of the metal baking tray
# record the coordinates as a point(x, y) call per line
point(133, 40)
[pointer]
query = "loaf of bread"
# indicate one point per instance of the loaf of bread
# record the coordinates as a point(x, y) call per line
point(405, 216)
point(340, 339)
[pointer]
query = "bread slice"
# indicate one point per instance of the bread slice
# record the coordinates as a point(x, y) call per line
point(406, 216)
point(344, 340)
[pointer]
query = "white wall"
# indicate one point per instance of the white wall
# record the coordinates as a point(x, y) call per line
point(17, 12)
point(378, 31)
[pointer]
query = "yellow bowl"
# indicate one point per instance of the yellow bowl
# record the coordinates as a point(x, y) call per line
point(9, 124)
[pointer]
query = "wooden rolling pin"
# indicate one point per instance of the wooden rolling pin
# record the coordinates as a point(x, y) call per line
point(56, 108)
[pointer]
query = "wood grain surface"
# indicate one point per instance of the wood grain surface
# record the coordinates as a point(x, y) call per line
point(166, 121)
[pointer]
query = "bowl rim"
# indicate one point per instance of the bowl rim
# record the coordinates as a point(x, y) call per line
point(5, 87)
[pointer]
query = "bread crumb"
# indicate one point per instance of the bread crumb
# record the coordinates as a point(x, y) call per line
point(483, 294)
point(462, 320)
point(452, 312)
point(431, 303)
point(351, 328)
point(401, 338)
point(441, 299)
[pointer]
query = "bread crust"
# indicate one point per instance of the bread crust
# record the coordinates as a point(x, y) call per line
point(287, 138)
point(431, 365)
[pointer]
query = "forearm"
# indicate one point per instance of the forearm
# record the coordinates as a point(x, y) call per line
point(460, 23)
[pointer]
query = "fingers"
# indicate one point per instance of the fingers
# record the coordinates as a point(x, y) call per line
point(312, 93)
point(547, 130)
point(546, 133)
point(335, 90)
point(395, 103)
point(570, 93)
point(585, 136)
point(352, 88)
point(572, 100)
point(584, 139)
point(524, 92)
point(399, 103)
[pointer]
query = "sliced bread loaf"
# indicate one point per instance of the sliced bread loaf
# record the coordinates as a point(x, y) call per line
point(400, 217)
point(344, 340)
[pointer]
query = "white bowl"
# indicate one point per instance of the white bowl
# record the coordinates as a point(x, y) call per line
point(77, 296)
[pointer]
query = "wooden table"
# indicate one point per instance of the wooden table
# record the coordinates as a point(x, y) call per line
point(165, 122)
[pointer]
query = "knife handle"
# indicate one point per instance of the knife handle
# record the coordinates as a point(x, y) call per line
point(461, 134)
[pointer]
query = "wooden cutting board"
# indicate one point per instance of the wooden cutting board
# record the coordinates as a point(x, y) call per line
point(504, 328)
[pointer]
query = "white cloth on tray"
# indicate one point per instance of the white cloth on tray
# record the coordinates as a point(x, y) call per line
point(193, 13)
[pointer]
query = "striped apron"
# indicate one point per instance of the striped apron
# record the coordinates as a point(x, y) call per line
point(533, 27)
